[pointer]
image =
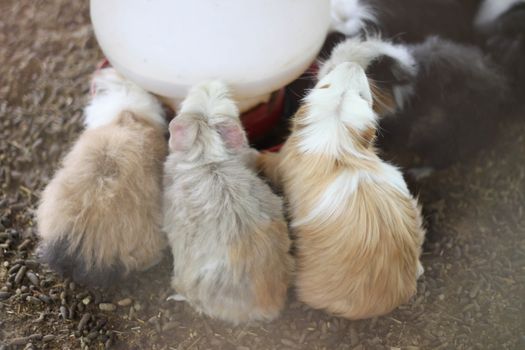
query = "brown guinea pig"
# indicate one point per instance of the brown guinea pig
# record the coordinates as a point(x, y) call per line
point(100, 216)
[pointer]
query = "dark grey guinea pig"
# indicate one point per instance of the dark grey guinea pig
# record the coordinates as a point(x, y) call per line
point(459, 95)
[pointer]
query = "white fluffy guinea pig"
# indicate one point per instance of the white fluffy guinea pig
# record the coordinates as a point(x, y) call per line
point(100, 216)
point(358, 229)
point(226, 227)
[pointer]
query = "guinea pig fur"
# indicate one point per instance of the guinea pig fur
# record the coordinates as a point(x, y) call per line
point(392, 69)
point(226, 227)
point(501, 25)
point(438, 100)
point(358, 229)
point(100, 216)
point(407, 21)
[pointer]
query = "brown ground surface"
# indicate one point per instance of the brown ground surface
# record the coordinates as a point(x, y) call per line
point(471, 296)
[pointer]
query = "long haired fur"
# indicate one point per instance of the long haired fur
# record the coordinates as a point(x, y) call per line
point(391, 68)
point(448, 97)
point(100, 216)
point(226, 227)
point(358, 230)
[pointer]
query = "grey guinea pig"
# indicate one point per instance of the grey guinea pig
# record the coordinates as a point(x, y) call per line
point(100, 216)
point(226, 227)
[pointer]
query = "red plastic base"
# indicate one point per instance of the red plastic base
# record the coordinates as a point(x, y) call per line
point(261, 119)
point(275, 148)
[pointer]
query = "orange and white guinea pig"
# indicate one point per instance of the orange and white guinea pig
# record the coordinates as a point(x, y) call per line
point(358, 229)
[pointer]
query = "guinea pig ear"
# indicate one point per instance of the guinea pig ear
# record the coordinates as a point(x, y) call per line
point(388, 70)
point(232, 134)
point(183, 133)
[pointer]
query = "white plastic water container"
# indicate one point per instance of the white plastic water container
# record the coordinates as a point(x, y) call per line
point(166, 46)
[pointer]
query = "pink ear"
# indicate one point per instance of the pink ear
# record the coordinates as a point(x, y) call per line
point(182, 134)
point(232, 134)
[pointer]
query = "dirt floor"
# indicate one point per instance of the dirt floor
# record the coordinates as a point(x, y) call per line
point(471, 296)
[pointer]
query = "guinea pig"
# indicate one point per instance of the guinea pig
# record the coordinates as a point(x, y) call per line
point(501, 25)
point(225, 226)
point(438, 100)
point(407, 21)
point(100, 217)
point(358, 229)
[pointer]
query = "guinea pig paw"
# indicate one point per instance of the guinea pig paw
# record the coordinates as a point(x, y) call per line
point(176, 297)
